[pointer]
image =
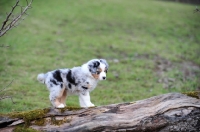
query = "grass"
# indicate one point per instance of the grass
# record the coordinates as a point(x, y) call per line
point(138, 38)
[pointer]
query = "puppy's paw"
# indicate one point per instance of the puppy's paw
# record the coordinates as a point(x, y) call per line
point(88, 106)
point(91, 105)
point(61, 106)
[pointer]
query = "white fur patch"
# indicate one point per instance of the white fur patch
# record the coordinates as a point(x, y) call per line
point(102, 75)
point(41, 77)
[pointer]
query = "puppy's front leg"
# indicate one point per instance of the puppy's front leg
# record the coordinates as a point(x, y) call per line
point(84, 100)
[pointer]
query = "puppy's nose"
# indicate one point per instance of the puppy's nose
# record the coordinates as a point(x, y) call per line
point(104, 78)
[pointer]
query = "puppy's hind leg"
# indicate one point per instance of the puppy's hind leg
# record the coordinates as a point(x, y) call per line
point(63, 98)
point(55, 98)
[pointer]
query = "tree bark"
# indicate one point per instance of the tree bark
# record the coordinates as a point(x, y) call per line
point(171, 112)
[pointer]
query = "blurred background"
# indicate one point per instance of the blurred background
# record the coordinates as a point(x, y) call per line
point(152, 47)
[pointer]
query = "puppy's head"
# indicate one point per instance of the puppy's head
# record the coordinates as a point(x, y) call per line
point(98, 68)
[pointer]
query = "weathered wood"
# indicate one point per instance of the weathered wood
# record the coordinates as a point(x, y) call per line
point(169, 112)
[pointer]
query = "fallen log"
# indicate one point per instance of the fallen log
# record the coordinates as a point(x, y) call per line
point(169, 112)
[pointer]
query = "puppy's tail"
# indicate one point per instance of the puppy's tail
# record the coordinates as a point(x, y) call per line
point(41, 78)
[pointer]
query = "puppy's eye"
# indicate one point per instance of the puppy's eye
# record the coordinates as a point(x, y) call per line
point(98, 72)
point(106, 71)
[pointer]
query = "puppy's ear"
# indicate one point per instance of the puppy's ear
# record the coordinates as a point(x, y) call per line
point(93, 65)
point(104, 62)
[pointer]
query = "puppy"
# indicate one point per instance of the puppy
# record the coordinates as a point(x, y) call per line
point(76, 81)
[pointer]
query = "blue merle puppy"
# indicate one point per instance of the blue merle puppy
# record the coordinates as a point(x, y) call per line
point(76, 81)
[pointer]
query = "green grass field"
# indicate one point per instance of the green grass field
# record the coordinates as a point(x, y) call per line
point(152, 47)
